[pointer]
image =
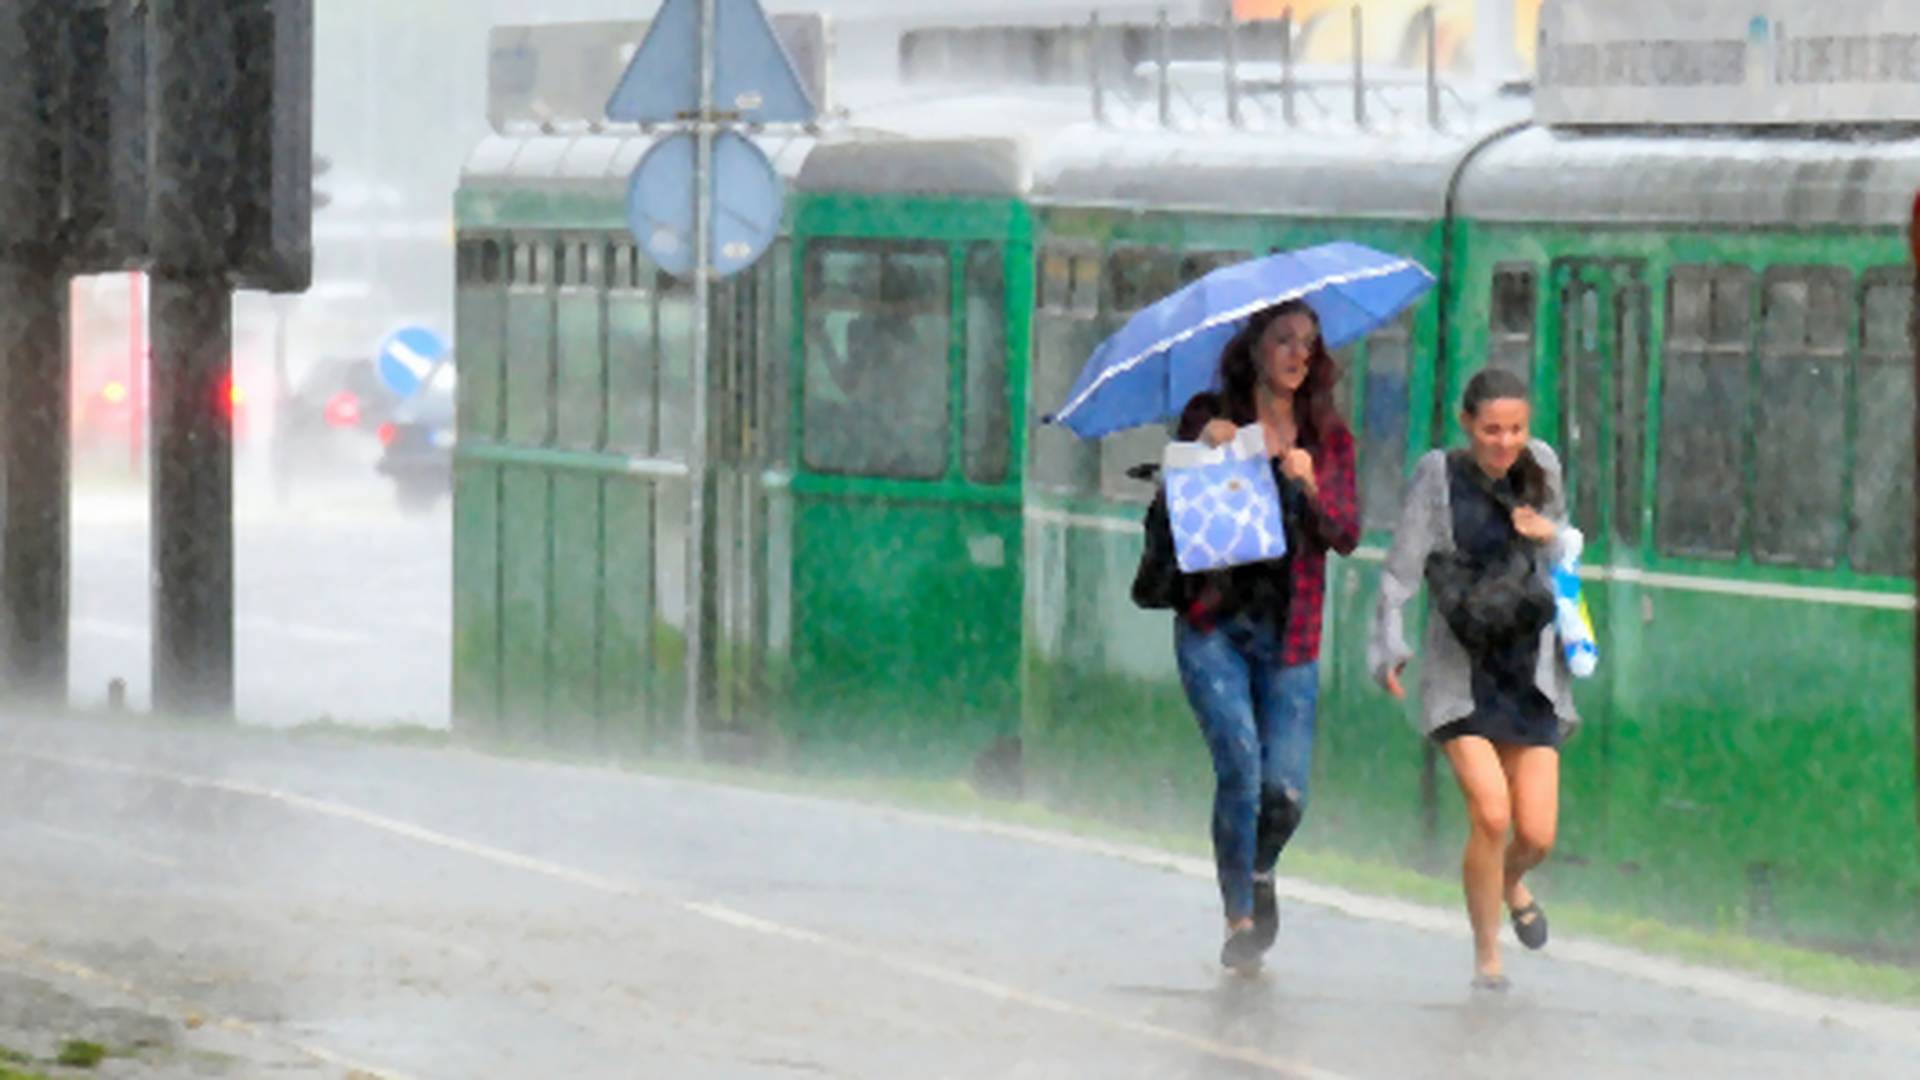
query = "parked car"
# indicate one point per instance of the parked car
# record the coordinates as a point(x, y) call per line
point(328, 419)
point(417, 441)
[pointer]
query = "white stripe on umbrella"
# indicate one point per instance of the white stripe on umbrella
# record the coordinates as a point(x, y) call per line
point(1232, 315)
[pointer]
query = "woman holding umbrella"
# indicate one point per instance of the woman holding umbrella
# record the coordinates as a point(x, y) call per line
point(1248, 640)
point(1249, 344)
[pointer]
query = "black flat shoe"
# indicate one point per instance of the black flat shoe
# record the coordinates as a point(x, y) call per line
point(1530, 925)
point(1241, 953)
point(1266, 914)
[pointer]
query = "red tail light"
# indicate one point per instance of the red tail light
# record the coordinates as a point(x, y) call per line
point(343, 409)
point(386, 434)
point(114, 393)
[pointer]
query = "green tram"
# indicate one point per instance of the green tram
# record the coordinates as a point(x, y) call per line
point(908, 572)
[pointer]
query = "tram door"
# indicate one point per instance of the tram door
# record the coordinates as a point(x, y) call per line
point(1597, 386)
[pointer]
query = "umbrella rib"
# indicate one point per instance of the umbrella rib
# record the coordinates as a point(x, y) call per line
point(1241, 312)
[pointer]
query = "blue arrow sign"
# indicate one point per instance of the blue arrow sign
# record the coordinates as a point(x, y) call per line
point(751, 73)
point(407, 356)
point(746, 204)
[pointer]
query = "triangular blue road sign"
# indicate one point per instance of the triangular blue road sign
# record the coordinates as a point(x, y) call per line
point(751, 75)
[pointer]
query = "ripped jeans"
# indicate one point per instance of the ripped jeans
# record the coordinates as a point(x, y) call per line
point(1258, 720)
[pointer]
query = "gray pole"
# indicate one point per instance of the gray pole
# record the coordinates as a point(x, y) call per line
point(1433, 67)
point(34, 433)
point(1359, 71)
point(192, 155)
point(1161, 32)
point(1230, 55)
point(1286, 67)
point(697, 450)
point(1094, 60)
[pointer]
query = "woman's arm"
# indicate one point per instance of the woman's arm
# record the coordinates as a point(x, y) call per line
point(1406, 567)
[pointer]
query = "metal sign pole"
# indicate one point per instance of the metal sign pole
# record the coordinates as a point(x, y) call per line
point(697, 451)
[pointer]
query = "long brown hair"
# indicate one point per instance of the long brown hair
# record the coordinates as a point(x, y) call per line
point(1313, 409)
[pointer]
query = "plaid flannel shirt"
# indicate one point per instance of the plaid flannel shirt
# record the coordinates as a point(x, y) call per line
point(1335, 527)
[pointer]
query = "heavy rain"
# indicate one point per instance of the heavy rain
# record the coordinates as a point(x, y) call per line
point(1182, 538)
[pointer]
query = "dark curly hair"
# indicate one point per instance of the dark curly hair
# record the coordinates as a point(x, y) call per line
point(1313, 407)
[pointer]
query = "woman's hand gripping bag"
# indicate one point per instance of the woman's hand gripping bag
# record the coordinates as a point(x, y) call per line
point(1223, 503)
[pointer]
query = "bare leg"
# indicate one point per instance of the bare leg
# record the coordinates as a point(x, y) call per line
point(1533, 785)
point(1476, 766)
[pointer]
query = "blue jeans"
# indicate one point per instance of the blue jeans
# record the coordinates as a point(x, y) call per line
point(1258, 719)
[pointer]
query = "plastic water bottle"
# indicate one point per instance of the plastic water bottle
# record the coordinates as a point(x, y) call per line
point(1571, 618)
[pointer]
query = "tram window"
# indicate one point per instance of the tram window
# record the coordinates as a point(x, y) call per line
point(1383, 427)
point(877, 390)
point(989, 419)
point(1688, 298)
point(1138, 277)
point(1582, 404)
point(1056, 281)
point(1069, 283)
point(1629, 411)
point(1198, 264)
point(631, 353)
point(1800, 420)
point(673, 364)
point(529, 361)
point(1703, 413)
point(1512, 307)
point(1882, 503)
point(580, 386)
point(1065, 332)
point(1732, 307)
point(490, 262)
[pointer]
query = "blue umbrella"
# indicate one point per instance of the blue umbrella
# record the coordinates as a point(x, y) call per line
point(1170, 350)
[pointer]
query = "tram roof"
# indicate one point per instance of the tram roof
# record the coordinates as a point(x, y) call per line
point(1287, 171)
point(589, 162)
point(1791, 180)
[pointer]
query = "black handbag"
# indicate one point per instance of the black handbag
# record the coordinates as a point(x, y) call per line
point(1493, 603)
point(1156, 581)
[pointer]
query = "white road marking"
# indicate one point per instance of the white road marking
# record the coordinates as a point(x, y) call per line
point(1885, 1021)
point(715, 912)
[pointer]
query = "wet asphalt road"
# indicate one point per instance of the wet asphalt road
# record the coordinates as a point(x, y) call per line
point(343, 605)
point(420, 913)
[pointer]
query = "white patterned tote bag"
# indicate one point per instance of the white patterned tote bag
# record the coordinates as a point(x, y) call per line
point(1223, 503)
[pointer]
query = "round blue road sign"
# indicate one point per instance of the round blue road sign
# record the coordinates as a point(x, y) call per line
point(407, 356)
point(746, 203)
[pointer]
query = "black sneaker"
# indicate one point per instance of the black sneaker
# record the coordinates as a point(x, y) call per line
point(1266, 913)
point(1241, 953)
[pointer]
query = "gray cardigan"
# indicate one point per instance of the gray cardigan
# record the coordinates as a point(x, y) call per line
point(1426, 525)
